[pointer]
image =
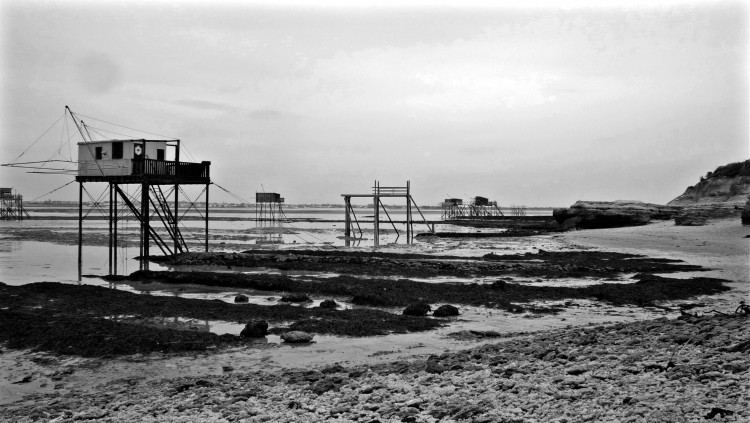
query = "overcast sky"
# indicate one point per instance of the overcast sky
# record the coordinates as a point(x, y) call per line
point(535, 103)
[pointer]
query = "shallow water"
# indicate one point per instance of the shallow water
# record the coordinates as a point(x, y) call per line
point(23, 262)
point(26, 261)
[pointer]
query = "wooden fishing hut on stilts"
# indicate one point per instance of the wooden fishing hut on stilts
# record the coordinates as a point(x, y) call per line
point(268, 206)
point(144, 163)
point(11, 205)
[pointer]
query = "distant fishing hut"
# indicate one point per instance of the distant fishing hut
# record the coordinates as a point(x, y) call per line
point(150, 164)
point(268, 206)
point(479, 207)
point(12, 205)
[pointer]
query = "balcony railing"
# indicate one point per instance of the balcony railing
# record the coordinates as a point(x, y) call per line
point(152, 167)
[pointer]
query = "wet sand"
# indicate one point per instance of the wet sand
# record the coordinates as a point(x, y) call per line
point(32, 383)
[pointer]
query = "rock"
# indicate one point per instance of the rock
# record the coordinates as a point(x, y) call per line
point(574, 371)
point(336, 368)
point(434, 368)
point(255, 329)
point(297, 337)
point(329, 304)
point(746, 213)
point(718, 411)
point(417, 309)
point(295, 298)
point(445, 310)
point(691, 217)
point(25, 379)
point(241, 298)
point(699, 214)
point(323, 386)
point(612, 214)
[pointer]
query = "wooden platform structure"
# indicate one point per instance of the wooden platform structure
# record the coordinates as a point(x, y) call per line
point(477, 208)
point(11, 205)
point(141, 162)
point(378, 193)
point(268, 207)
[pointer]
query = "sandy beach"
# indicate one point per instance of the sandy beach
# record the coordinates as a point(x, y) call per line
point(606, 365)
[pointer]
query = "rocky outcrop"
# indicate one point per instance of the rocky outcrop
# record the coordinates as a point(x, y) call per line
point(612, 214)
point(719, 194)
point(728, 185)
point(241, 298)
point(699, 215)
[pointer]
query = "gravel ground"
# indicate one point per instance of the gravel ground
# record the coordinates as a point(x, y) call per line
point(686, 369)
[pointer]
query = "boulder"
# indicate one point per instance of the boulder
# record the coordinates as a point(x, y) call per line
point(297, 337)
point(241, 298)
point(295, 298)
point(255, 329)
point(329, 304)
point(417, 309)
point(746, 213)
point(612, 214)
point(445, 311)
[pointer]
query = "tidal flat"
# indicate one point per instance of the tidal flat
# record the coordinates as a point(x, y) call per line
point(609, 324)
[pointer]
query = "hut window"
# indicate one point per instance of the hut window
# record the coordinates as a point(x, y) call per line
point(98, 153)
point(159, 154)
point(117, 150)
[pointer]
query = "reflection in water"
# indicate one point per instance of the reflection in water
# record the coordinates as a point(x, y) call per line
point(23, 262)
point(270, 232)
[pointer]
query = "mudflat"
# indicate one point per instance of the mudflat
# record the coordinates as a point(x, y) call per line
point(689, 363)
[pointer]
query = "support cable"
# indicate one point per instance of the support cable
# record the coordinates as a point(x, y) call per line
point(126, 127)
point(56, 189)
point(192, 203)
point(96, 203)
point(40, 137)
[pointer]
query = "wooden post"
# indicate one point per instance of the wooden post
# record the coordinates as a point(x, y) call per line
point(176, 217)
point(376, 205)
point(110, 229)
point(207, 185)
point(347, 220)
point(176, 197)
point(114, 231)
point(145, 235)
point(80, 230)
point(408, 214)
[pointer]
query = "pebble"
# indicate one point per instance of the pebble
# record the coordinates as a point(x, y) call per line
point(524, 387)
